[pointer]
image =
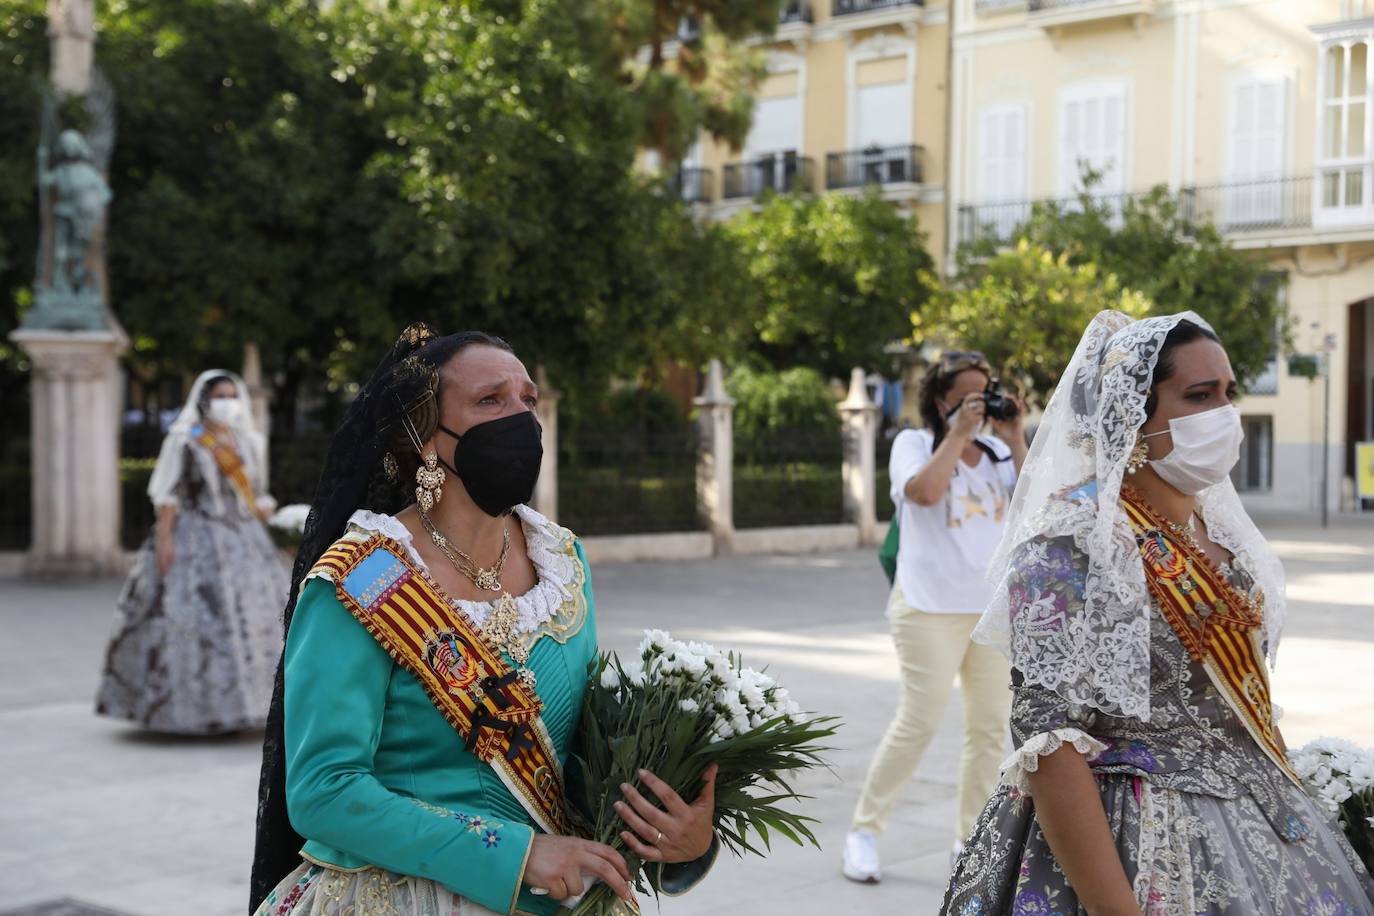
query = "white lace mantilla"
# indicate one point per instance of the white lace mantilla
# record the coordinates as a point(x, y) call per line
point(546, 544)
point(1026, 758)
point(1096, 651)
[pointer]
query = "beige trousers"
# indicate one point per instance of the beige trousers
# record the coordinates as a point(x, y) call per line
point(931, 650)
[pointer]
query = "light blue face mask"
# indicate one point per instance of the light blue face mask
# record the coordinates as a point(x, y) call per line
point(1206, 448)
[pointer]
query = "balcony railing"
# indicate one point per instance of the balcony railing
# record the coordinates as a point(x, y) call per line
point(1260, 206)
point(874, 165)
point(848, 7)
point(795, 11)
point(773, 172)
point(1253, 206)
point(694, 185)
point(997, 6)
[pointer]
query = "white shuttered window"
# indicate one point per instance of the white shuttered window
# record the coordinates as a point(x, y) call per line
point(1002, 168)
point(1255, 151)
point(1092, 131)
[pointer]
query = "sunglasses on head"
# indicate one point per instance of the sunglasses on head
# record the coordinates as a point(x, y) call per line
point(959, 360)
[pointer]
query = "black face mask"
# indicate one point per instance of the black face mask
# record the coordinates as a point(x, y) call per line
point(498, 461)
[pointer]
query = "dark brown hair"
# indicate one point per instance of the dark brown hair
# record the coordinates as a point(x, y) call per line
point(936, 383)
point(1185, 332)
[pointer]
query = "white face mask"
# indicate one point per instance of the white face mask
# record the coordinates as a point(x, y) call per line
point(226, 411)
point(1206, 447)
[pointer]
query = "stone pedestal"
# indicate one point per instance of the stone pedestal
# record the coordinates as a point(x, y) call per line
point(77, 402)
point(715, 460)
point(859, 416)
point(546, 490)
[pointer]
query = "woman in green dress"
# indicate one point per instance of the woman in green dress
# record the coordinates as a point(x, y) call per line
point(436, 658)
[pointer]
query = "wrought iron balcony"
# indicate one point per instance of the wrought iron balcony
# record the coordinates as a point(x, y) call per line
point(772, 172)
point(849, 7)
point(795, 11)
point(874, 165)
point(1257, 208)
point(694, 185)
point(1050, 13)
point(982, 7)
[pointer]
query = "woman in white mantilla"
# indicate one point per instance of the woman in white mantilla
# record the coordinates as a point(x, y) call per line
point(1137, 602)
point(196, 635)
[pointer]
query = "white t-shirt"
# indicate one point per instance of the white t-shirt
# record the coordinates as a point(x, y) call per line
point(945, 549)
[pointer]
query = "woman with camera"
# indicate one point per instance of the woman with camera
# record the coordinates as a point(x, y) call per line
point(952, 486)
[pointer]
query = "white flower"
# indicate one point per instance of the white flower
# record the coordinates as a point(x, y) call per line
point(752, 696)
point(610, 678)
point(689, 706)
point(634, 673)
point(1369, 821)
point(720, 731)
point(1334, 793)
point(740, 723)
point(655, 642)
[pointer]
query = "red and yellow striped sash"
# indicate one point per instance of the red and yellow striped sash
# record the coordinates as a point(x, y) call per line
point(230, 465)
point(468, 681)
point(1218, 626)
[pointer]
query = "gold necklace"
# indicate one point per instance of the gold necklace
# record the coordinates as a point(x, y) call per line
point(486, 579)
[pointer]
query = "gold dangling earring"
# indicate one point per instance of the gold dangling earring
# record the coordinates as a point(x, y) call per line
point(1138, 457)
point(431, 483)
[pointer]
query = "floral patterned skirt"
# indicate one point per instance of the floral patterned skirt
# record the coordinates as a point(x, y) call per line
point(313, 890)
point(1186, 854)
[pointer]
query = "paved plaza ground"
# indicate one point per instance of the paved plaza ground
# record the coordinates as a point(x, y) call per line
point(153, 826)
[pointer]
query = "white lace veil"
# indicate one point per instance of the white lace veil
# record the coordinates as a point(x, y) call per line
point(1098, 655)
point(251, 445)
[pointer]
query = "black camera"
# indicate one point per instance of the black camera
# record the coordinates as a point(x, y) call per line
point(997, 406)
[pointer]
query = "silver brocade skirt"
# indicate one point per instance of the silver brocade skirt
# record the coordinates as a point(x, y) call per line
point(313, 890)
point(1186, 854)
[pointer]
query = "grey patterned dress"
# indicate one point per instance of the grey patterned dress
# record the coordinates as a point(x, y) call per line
point(1204, 822)
point(195, 653)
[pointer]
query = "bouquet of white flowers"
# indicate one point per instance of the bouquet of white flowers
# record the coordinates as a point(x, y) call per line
point(674, 711)
point(287, 525)
point(1340, 776)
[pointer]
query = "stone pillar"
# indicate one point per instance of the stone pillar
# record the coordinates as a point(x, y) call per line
point(716, 459)
point(259, 394)
point(546, 490)
point(78, 401)
point(859, 417)
point(71, 33)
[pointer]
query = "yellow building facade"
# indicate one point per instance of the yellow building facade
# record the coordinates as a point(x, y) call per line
point(1260, 111)
point(856, 95)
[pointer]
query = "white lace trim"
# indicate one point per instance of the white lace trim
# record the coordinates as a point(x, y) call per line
point(1026, 758)
point(544, 542)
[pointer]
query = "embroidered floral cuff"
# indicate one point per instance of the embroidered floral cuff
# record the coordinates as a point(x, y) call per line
point(1026, 758)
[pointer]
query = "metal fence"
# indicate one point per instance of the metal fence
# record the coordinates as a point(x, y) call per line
point(847, 7)
point(629, 482)
point(795, 11)
point(694, 185)
point(1254, 205)
point(874, 165)
point(789, 477)
point(773, 172)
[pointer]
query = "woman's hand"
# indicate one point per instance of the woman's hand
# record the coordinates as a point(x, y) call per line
point(166, 554)
point(677, 832)
point(968, 417)
point(561, 867)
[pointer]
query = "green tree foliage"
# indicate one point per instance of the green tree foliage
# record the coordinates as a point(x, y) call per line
point(1026, 309)
point(710, 81)
point(1153, 244)
point(833, 279)
point(770, 402)
point(23, 56)
point(312, 177)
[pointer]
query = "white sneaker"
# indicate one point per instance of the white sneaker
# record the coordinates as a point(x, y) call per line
point(861, 857)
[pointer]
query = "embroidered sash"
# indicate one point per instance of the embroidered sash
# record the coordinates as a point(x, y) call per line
point(230, 464)
point(1218, 626)
point(477, 692)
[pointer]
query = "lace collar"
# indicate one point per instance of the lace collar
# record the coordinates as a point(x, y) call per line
point(550, 551)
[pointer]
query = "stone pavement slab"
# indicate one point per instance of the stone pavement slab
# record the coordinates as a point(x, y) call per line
point(95, 811)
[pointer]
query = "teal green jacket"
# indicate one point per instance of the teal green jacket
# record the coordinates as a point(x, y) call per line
point(377, 777)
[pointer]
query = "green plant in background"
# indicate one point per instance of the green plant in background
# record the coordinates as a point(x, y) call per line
point(793, 399)
point(1025, 308)
point(1154, 245)
point(832, 279)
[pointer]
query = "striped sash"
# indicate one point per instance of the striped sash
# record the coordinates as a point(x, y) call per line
point(1218, 626)
point(468, 681)
point(230, 464)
